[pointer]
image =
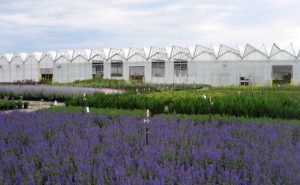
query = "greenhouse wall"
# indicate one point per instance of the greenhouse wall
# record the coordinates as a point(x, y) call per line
point(228, 66)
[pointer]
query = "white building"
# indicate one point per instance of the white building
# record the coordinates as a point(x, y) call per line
point(176, 65)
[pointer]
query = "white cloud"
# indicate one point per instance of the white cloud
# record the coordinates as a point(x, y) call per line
point(122, 23)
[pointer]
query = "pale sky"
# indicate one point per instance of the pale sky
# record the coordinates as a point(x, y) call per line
point(42, 25)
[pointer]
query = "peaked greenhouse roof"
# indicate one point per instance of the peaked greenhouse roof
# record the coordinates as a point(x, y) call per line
point(97, 53)
point(226, 49)
point(156, 53)
point(80, 52)
point(289, 50)
point(136, 51)
point(116, 54)
point(180, 53)
point(251, 49)
point(201, 49)
point(64, 53)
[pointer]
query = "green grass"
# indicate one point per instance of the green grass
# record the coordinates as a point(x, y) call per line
point(198, 118)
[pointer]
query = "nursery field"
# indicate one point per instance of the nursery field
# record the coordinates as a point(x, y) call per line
point(47, 147)
point(265, 102)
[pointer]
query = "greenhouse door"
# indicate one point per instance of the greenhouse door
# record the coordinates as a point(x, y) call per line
point(282, 74)
point(137, 73)
point(97, 69)
point(47, 75)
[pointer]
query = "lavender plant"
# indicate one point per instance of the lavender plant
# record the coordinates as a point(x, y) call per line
point(37, 92)
point(72, 148)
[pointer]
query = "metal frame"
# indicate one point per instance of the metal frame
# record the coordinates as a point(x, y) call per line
point(97, 53)
point(226, 49)
point(158, 54)
point(251, 49)
point(116, 55)
point(275, 50)
point(201, 49)
point(136, 51)
point(63, 54)
point(180, 53)
point(79, 53)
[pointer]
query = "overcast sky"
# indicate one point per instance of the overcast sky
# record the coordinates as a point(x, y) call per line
point(42, 25)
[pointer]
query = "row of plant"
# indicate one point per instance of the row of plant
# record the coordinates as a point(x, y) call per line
point(104, 111)
point(71, 148)
point(195, 117)
point(238, 105)
point(11, 104)
point(45, 92)
point(129, 86)
point(235, 91)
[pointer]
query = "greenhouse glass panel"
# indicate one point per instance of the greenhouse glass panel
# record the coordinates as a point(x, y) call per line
point(158, 69)
point(116, 69)
point(180, 68)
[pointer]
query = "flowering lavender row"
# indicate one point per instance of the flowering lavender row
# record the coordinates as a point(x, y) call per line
point(44, 91)
point(72, 148)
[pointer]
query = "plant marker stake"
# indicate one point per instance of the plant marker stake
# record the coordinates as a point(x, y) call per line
point(147, 122)
point(83, 106)
point(87, 110)
point(210, 105)
point(55, 103)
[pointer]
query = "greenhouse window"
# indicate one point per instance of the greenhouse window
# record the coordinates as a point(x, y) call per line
point(97, 67)
point(180, 68)
point(158, 69)
point(116, 69)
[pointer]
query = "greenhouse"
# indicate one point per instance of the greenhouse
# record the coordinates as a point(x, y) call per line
point(219, 66)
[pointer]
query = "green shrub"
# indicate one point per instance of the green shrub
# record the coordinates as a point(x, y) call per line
point(11, 104)
point(255, 105)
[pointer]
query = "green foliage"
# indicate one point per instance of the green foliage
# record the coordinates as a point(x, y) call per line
point(128, 86)
point(11, 104)
point(120, 101)
point(244, 104)
point(33, 95)
point(105, 111)
point(194, 117)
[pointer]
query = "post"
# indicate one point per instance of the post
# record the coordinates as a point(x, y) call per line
point(210, 107)
point(147, 122)
point(84, 103)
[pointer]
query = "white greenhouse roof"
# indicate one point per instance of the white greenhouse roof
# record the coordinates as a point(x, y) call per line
point(276, 50)
point(38, 55)
point(156, 53)
point(79, 52)
point(167, 53)
point(8, 56)
point(180, 53)
point(30, 55)
point(136, 51)
point(116, 54)
point(226, 49)
point(201, 49)
point(251, 49)
point(97, 53)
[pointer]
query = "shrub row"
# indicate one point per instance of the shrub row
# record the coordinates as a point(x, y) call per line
point(238, 105)
point(129, 86)
point(119, 101)
point(10, 105)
